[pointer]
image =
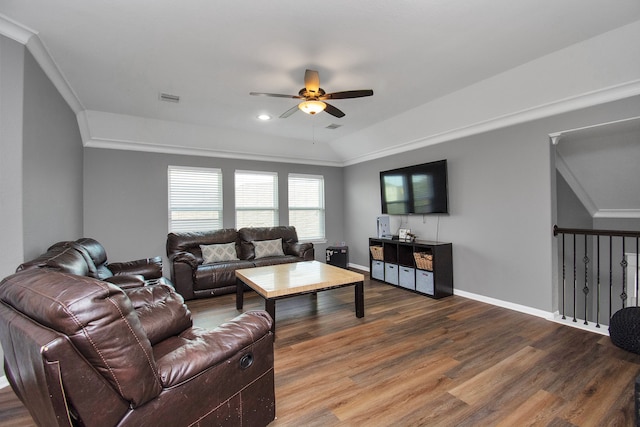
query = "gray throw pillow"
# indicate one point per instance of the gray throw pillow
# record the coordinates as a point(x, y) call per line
point(265, 248)
point(219, 252)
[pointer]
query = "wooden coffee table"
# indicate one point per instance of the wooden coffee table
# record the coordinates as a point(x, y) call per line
point(275, 282)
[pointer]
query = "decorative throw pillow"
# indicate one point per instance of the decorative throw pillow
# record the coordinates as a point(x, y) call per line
point(265, 248)
point(220, 252)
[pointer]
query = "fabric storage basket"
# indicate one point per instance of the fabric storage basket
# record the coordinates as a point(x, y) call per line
point(376, 252)
point(424, 261)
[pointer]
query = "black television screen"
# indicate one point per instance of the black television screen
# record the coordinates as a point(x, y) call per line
point(419, 189)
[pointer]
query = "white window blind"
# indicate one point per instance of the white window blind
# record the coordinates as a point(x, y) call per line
point(306, 205)
point(256, 199)
point(195, 199)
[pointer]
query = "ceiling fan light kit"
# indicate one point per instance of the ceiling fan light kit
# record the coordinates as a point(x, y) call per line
point(312, 107)
point(313, 97)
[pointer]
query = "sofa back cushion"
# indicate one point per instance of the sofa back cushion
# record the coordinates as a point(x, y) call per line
point(190, 241)
point(41, 260)
point(99, 320)
point(161, 311)
point(249, 234)
point(69, 261)
point(98, 256)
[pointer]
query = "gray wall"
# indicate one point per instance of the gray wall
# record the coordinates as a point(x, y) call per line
point(501, 194)
point(52, 165)
point(126, 206)
point(11, 100)
point(41, 173)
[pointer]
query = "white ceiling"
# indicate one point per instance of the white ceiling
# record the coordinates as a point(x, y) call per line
point(116, 57)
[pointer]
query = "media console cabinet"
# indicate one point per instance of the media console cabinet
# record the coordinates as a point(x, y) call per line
point(396, 265)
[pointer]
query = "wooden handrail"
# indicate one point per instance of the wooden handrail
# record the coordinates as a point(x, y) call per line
point(585, 231)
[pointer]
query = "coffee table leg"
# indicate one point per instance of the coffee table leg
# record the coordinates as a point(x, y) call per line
point(359, 299)
point(239, 294)
point(270, 307)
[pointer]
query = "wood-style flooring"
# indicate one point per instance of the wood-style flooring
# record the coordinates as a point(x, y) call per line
point(414, 361)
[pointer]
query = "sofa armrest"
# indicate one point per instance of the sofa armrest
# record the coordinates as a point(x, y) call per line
point(305, 251)
point(127, 281)
point(150, 268)
point(183, 357)
point(183, 268)
point(185, 257)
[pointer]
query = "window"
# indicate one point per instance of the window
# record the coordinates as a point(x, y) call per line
point(195, 199)
point(256, 199)
point(306, 206)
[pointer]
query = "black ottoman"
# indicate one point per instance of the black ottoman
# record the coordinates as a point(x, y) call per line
point(624, 329)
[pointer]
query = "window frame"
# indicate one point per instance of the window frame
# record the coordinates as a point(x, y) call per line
point(216, 203)
point(321, 208)
point(275, 208)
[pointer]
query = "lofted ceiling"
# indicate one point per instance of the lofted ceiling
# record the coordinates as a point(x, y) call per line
point(114, 58)
point(601, 164)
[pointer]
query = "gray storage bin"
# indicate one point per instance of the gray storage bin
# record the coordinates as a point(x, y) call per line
point(407, 278)
point(391, 273)
point(424, 282)
point(377, 270)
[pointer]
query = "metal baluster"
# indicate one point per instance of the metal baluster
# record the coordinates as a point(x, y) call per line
point(637, 267)
point(564, 277)
point(623, 264)
point(610, 276)
point(585, 289)
point(574, 278)
point(598, 282)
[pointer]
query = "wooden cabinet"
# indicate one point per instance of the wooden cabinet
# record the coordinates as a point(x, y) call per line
point(395, 263)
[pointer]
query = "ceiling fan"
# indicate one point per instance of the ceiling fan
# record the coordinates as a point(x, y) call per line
point(314, 97)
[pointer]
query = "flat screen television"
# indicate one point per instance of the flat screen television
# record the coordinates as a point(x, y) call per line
point(419, 189)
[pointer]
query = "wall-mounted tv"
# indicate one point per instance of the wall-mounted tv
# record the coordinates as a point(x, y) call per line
point(419, 189)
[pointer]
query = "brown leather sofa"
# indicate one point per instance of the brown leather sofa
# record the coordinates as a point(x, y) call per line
point(83, 352)
point(195, 278)
point(87, 257)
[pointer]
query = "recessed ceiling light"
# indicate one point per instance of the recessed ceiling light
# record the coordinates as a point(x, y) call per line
point(264, 117)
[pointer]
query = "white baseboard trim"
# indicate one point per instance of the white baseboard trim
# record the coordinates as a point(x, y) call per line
point(359, 267)
point(3, 382)
point(506, 304)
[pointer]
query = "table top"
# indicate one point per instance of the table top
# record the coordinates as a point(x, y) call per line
point(294, 278)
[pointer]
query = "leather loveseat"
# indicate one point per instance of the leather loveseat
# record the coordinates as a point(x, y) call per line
point(195, 276)
point(87, 257)
point(84, 352)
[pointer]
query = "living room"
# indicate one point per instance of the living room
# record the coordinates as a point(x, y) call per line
point(502, 174)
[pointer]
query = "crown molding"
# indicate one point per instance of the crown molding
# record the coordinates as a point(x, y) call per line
point(585, 100)
point(15, 31)
point(617, 213)
point(30, 39)
point(574, 184)
point(51, 69)
point(114, 144)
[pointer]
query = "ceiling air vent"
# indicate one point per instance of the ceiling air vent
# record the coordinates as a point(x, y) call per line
point(169, 98)
point(333, 126)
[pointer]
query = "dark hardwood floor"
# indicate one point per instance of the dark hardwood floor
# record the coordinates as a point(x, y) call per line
point(414, 361)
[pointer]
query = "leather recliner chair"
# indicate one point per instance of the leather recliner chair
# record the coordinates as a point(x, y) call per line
point(87, 257)
point(80, 351)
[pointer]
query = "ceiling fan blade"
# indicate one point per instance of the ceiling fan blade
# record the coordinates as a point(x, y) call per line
point(275, 95)
point(333, 111)
point(289, 112)
point(312, 81)
point(348, 94)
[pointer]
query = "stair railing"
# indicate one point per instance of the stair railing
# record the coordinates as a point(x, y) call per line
point(605, 263)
